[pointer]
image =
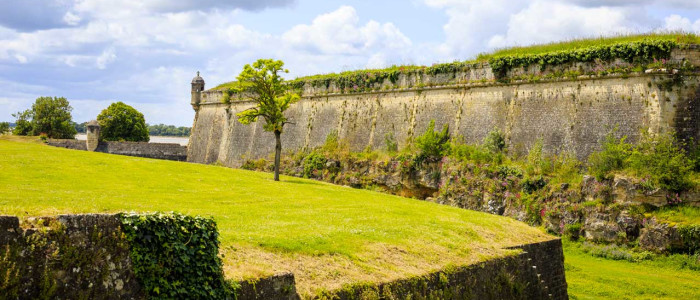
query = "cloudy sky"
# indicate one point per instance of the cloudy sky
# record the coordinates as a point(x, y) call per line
point(145, 52)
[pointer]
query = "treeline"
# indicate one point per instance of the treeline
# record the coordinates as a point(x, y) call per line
point(153, 130)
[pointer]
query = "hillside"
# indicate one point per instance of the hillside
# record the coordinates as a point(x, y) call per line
point(326, 235)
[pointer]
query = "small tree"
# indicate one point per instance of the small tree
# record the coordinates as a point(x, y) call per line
point(49, 115)
point(4, 127)
point(433, 145)
point(121, 122)
point(52, 116)
point(264, 85)
point(23, 124)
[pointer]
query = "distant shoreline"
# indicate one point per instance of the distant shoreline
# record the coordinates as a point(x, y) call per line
point(154, 139)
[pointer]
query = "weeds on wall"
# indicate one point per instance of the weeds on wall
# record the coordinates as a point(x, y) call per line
point(175, 256)
point(662, 159)
point(644, 51)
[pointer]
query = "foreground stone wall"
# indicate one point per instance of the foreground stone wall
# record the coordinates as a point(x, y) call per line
point(87, 257)
point(535, 273)
point(572, 115)
point(165, 151)
point(65, 257)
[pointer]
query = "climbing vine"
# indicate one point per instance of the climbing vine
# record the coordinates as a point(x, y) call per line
point(176, 256)
point(644, 51)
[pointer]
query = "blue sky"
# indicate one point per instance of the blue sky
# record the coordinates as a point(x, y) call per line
point(145, 52)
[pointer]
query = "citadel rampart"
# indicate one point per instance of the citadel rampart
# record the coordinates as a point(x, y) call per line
point(564, 106)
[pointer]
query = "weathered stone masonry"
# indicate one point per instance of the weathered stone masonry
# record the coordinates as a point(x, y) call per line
point(166, 151)
point(87, 257)
point(566, 114)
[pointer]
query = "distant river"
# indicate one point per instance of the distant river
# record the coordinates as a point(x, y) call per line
point(154, 139)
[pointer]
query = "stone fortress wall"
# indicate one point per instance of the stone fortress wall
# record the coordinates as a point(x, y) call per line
point(565, 113)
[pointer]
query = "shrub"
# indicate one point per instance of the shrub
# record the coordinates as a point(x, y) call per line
point(4, 127)
point(475, 153)
point(573, 231)
point(390, 143)
point(121, 122)
point(612, 156)
point(23, 124)
point(532, 184)
point(312, 162)
point(663, 159)
point(495, 141)
point(433, 145)
point(332, 142)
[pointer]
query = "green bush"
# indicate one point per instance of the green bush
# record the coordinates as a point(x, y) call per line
point(433, 145)
point(312, 162)
point(612, 156)
point(4, 127)
point(663, 159)
point(23, 123)
point(690, 235)
point(332, 142)
point(121, 122)
point(495, 141)
point(473, 153)
point(573, 231)
point(390, 142)
point(176, 256)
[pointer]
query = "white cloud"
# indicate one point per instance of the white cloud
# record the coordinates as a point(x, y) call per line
point(339, 32)
point(71, 19)
point(676, 22)
point(547, 21)
point(105, 58)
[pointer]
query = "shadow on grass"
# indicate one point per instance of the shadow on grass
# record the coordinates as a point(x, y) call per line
point(302, 181)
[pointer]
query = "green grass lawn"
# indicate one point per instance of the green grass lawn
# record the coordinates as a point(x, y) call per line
point(327, 235)
point(591, 277)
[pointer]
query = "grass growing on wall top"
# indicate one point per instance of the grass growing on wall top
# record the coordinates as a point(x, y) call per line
point(573, 44)
point(360, 79)
point(326, 235)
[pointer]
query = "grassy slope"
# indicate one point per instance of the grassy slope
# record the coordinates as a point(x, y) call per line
point(327, 235)
point(679, 37)
point(592, 277)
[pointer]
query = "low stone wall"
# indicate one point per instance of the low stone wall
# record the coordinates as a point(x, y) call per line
point(536, 273)
point(65, 257)
point(88, 257)
point(165, 151)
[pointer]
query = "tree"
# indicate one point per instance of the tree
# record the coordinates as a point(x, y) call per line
point(4, 127)
point(121, 122)
point(23, 125)
point(49, 115)
point(264, 85)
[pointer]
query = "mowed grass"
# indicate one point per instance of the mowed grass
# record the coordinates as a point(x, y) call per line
point(591, 277)
point(326, 235)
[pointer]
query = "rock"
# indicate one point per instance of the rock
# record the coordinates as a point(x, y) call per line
point(659, 237)
point(599, 227)
point(629, 224)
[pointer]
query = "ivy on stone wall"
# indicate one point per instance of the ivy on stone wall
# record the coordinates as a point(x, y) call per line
point(176, 256)
point(634, 52)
